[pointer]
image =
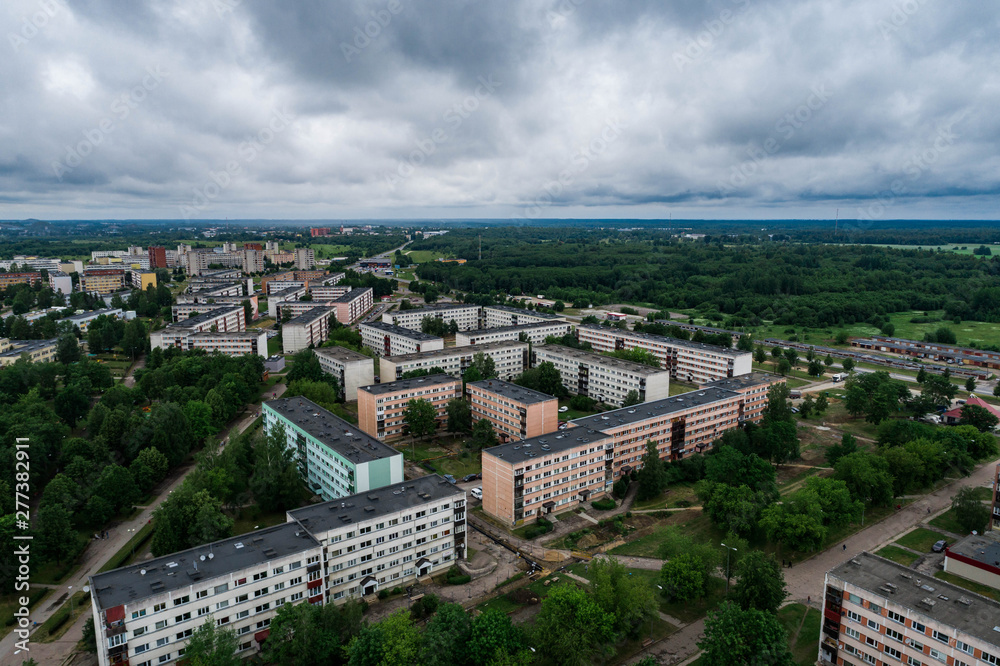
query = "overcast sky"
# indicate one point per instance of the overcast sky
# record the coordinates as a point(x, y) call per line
point(433, 108)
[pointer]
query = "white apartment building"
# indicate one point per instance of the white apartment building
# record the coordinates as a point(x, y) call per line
point(253, 261)
point(499, 316)
point(352, 369)
point(328, 292)
point(535, 333)
point(691, 362)
point(353, 304)
point(309, 329)
point(603, 378)
point(60, 282)
point(305, 258)
point(388, 340)
point(509, 358)
point(82, 321)
point(221, 320)
point(465, 316)
point(231, 343)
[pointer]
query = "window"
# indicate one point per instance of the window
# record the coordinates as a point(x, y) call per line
point(872, 624)
point(259, 593)
point(182, 600)
point(919, 627)
point(160, 606)
point(893, 634)
point(853, 633)
point(940, 656)
point(892, 652)
point(989, 658)
point(201, 594)
point(117, 640)
point(203, 611)
point(259, 576)
point(912, 662)
point(278, 570)
point(851, 615)
point(243, 613)
point(222, 620)
point(139, 649)
point(871, 640)
point(964, 647)
point(139, 613)
point(221, 605)
point(161, 624)
point(875, 608)
point(294, 565)
point(219, 589)
point(183, 618)
point(241, 581)
point(243, 597)
point(895, 617)
point(262, 608)
point(160, 642)
point(939, 636)
point(869, 658)
point(164, 658)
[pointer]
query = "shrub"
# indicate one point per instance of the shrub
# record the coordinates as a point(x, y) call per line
point(382, 594)
point(456, 577)
point(604, 504)
point(540, 527)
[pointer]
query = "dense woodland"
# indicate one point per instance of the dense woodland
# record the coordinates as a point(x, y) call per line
point(741, 279)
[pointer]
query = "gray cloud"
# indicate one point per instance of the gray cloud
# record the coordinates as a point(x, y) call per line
point(729, 108)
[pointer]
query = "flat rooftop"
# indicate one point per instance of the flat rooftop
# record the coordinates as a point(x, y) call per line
point(343, 354)
point(910, 588)
point(512, 391)
point(85, 316)
point(392, 329)
point(358, 508)
point(520, 327)
point(595, 358)
point(310, 316)
point(351, 295)
point(648, 410)
point(546, 445)
point(664, 340)
point(19, 347)
point(230, 335)
point(177, 571)
point(983, 548)
point(694, 327)
point(744, 382)
point(435, 309)
point(335, 433)
point(522, 311)
point(408, 384)
point(204, 317)
point(467, 350)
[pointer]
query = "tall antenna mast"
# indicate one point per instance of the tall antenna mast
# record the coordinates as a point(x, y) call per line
point(836, 223)
point(480, 247)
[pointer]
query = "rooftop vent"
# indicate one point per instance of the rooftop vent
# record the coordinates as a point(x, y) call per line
point(238, 544)
point(965, 601)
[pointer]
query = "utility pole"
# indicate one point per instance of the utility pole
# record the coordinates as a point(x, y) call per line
point(728, 549)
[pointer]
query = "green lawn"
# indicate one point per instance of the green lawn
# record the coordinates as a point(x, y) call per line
point(694, 523)
point(920, 539)
point(676, 388)
point(274, 345)
point(423, 256)
point(571, 414)
point(971, 586)
point(802, 625)
point(11, 602)
point(898, 555)
point(676, 496)
point(949, 521)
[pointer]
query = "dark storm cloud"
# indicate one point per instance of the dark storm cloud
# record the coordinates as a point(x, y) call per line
point(416, 108)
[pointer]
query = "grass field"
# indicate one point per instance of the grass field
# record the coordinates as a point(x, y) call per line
point(249, 520)
point(897, 554)
point(423, 256)
point(327, 250)
point(948, 521)
point(920, 539)
point(802, 625)
point(971, 586)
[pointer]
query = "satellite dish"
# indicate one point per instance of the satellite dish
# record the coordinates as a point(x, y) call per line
point(142, 572)
point(211, 556)
point(202, 558)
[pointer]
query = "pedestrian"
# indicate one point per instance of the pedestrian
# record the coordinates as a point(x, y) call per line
point(809, 599)
point(845, 546)
point(928, 510)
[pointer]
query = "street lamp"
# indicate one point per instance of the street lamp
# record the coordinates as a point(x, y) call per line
point(728, 549)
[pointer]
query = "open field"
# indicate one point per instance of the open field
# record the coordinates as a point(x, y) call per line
point(802, 624)
point(897, 554)
point(423, 256)
point(920, 539)
point(971, 586)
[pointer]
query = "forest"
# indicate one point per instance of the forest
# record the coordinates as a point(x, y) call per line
point(739, 278)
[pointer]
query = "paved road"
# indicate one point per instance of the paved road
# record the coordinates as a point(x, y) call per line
point(96, 554)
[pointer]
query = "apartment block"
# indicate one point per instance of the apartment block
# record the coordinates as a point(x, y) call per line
point(82, 321)
point(499, 316)
point(200, 261)
point(353, 304)
point(707, 330)
point(305, 258)
point(301, 276)
point(141, 279)
point(878, 612)
point(754, 387)
point(329, 292)
point(10, 279)
point(334, 457)
point(293, 309)
point(220, 320)
point(309, 329)
point(381, 406)
point(388, 537)
point(515, 412)
point(157, 257)
point(691, 362)
point(37, 351)
point(221, 288)
point(253, 261)
point(60, 282)
point(523, 480)
point(509, 358)
point(191, 304)
point(533, 333)
point(603, 378)
point(231, 343)
point(976, 558)
point(103, 280)
point(389, 340)
point(466, 317)
point(352, 369)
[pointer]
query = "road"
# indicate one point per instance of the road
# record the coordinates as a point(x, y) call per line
point(95, 555)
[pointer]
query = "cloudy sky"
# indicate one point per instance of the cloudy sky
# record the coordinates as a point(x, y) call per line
point(542, 108)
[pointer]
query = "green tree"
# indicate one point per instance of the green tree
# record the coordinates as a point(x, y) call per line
point(67, 349)
point(631, 398)
point(459, 416)
point(970, 512)
point(797, 525)
point(485, 364)
point(760, 583)
point(652, 476)
point(807, 406)
point(199, 418)
point(792, 356)
point(72, 403)
point(117, 486)
point(55, 537)
point(996, 390)
point(307, 635)
point(684, 578)
point(867, 477)
point(212, 646)
point(776, 353)
point(978, 417)
point(745, 343)
point(847, 364)
point(737, 636)
point(815, 368)
point(848, 444)
point(275, 482)
point(305, 365)
point(828, 360)
point(446, 639)
point(483, 435)
point(420, 417)
point(149, 468)
point(188, 518)
point(626, 598)
point(783, 366)
point(970, 384)
point(759, 354)
point(822, 403)
point(737, 508)
point(575, 628)
point(493, 635)
point(394, 640)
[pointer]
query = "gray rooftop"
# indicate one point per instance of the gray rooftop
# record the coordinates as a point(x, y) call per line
point(522, 311)
point(351, 295)
point(408, 384)
point(694, 327)
point(744, 382)
point(467, 350)
point(204, 317)
point(512, 391)
point(519, 327)
point(129, 585)
point(595, 358)
point(435, 309)
point(309, 316)
point(339, 353)
point(332, 515)
point(27, 346)
point(392, 329)
point(546, 445)
point(648, 410)
point(983, 548)
point(334, 432)
point(234, 335)
point(664, 340)
point(910, 588)
point(93, 314)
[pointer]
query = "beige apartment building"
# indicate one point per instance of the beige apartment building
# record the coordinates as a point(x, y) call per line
point(231, 343)
point(381, 406)
point(882, 613)
point(603, 378)
point(466, 317)
point(220, 320)
point(353, 304)
point(523, 480)
point(102, 280)
point(38, 351)
point(499, 316)
point(309, 329)
point(509, 358)
point(388, 340)
point(754, 388)
point(533, 333)
point(515, 412)
point(305, 258)
point(690, 362)
point(352, 369)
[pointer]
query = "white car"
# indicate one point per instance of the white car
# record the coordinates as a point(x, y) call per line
point(477, 492)
point(563, 409)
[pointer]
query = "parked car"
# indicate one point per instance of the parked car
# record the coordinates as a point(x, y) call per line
point(449, 478)
point(563, 409)
point(470, 477)
point(477, 492)
point(939, 546)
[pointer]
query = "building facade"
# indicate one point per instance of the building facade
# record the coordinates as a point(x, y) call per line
point(220, 320)
point(82, 321)
point(10, 279)
point(976, 558)
point(334, 457)
point(353, 304)
point(36, 351)
point(309, 329)
point(381, 406)
point(232, 343)
point(533, 333)
point(103, 280)
point(603, 378)
point(996, 498)
point(352, 369)
point(389, 340)
point(515, 412)
point(754, 388)
point(510, 359)
point(466, 317)
point(305, 258)
point(499, 316)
